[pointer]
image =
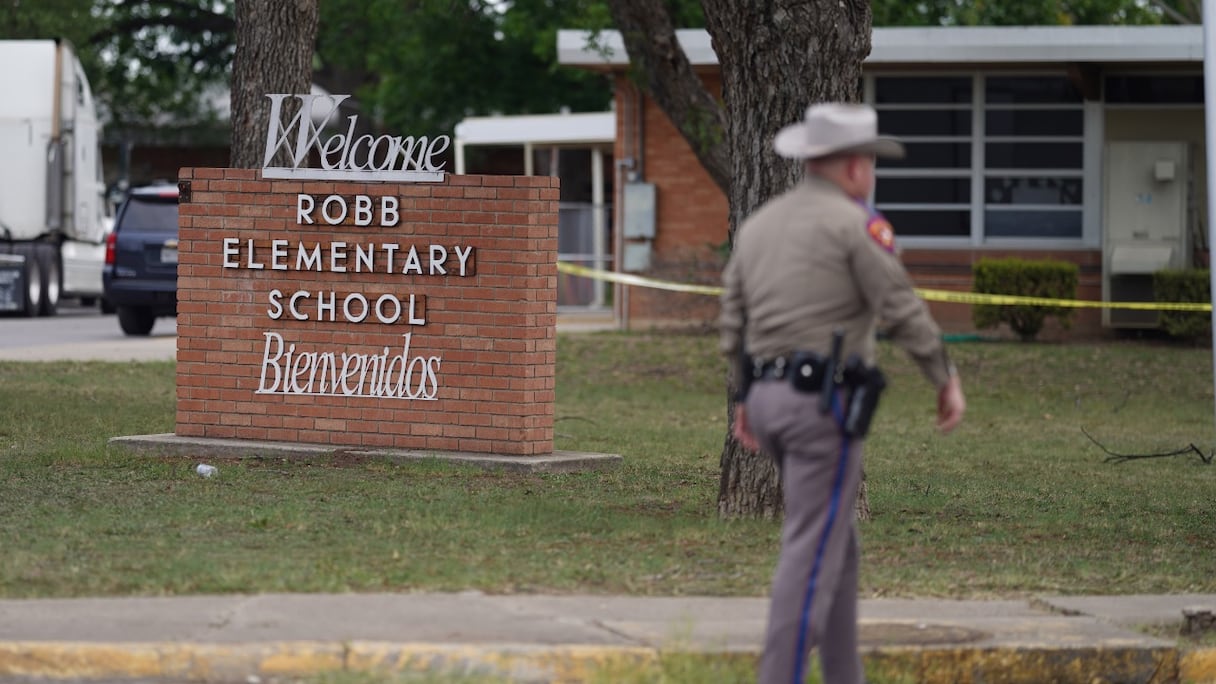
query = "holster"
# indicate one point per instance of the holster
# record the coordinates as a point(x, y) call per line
point(744, 376)
point(864, 385)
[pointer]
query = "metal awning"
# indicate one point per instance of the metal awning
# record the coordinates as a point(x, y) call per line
point(963, 45)
point(538, 129)
point(595, 129)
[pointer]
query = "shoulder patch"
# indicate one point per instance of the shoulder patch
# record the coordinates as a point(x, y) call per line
point(880, 231)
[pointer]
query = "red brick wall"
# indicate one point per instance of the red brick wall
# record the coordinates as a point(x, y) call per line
point(691, 211)
point(491, 331)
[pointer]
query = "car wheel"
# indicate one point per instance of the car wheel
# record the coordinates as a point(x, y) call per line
point(136, 320)
point(107, 307)
point(32, 296)
point(48, 260)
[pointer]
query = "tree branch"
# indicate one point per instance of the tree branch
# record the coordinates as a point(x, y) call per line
point(1174, 15)
point(1196, 13)
point(656, 55)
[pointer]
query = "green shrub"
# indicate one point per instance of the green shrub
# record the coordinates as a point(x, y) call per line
point(1184, 286)
point(1025, 278)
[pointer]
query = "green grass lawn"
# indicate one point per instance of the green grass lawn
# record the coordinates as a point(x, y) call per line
point(1017, 501)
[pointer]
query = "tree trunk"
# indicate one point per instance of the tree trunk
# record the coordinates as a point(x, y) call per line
point(748, 485)
point(274, 50)
point(863, 498)
point(776, 57)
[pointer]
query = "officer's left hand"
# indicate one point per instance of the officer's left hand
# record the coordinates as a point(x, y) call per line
point(742, 432)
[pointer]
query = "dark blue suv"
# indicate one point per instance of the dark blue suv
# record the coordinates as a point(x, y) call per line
point(140, 274)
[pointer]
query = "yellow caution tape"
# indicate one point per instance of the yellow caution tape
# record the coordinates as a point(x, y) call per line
point(928, 295)
point(1015, 300)
point(640, 281)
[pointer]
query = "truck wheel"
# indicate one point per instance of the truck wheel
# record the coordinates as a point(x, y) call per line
point(52, 278)
point(136, 320)
point(32, 298)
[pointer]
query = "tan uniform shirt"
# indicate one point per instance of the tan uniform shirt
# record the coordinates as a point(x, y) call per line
point(805, 264)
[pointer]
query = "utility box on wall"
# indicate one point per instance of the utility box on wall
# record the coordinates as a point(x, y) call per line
point(640, 214)
point(1148, 189)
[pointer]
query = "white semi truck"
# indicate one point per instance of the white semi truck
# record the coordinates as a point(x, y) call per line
point(53, 214)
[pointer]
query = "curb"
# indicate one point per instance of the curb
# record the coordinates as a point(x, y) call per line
point(1198, 666)
point(1029, 665)
point(572, 663)
point(237, 662)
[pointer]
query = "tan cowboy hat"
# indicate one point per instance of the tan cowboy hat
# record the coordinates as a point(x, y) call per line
point(833, 128)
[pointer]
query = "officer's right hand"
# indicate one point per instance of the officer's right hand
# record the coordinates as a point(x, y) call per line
point(951, 404)
point(742, 432)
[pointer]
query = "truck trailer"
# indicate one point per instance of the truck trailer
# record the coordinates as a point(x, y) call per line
point(53, 213)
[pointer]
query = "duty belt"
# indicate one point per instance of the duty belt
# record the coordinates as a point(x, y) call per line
point(804, 369)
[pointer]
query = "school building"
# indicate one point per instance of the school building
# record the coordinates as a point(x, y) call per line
point(1084, 144)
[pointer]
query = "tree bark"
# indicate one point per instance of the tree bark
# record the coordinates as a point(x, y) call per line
point(776, 58)
point(274, 49)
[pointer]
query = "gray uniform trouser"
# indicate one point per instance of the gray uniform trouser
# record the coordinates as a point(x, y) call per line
point(814, 595)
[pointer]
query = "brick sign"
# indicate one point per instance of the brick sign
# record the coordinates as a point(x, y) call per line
point(368, 314)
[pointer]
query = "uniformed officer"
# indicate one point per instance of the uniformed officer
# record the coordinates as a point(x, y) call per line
point(812, 263)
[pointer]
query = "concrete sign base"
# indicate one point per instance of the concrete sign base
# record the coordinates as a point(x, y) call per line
point(199, 448)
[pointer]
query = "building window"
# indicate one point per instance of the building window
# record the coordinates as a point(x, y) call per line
point(989, 157)
point(1033, 157)
point(928, 192)
point(1154, 89)
point(918, 90)
point(1068, 122)
point(1045, 190)
point(1025, 90)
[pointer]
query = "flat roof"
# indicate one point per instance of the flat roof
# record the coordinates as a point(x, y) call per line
point(543, 129)
point(944, 45)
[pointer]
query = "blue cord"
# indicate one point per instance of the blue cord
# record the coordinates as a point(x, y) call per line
point(833, 507)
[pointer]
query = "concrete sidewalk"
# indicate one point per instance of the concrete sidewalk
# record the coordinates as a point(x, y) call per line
point(529, 638)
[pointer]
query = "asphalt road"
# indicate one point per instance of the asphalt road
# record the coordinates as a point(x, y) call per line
point(80, 333)
point(83, 334)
